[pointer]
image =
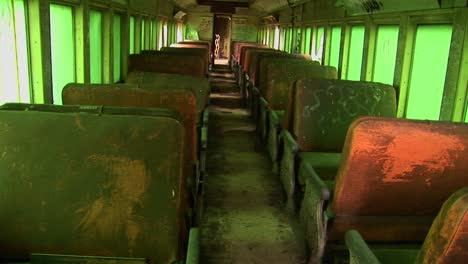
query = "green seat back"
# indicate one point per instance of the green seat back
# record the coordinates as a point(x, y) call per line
point(320, 111)
point(281, 75)
point(93, 181)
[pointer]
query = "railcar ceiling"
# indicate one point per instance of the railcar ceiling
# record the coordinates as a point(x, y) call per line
point(353, 7)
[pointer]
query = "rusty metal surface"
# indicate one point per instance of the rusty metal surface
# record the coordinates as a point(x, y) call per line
point(321, 110)
point(243, 56)
point(96, 181)
point(237, 46)
point(154, 80)
point(398, 167)
point(168, 63)
point(181, 101)
point(447, 240)
point(250, 56)
point(253, 57)
point(282, 74)
point(205, 43)
point(190, 49)
point(266, 59)
point(415, 163)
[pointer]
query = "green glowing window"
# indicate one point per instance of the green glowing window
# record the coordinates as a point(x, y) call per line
point(132, 35)
point(290, 39)
point(427, 77)
point(335, 42)
point(355, 53)
point(155, 34)
point(307, 40)
point(62, 41)
point(95, 45)
point(142, 33)
point(14, 70)
point(466, 112)
point(117, 42)
point(385, 53)
point(150, 34)
point(165, 34)
point(277, 41)
point(317, 52)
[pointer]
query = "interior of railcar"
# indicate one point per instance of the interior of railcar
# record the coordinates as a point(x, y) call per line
point(233, 131)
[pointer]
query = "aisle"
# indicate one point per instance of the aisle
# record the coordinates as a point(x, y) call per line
point(244, 220)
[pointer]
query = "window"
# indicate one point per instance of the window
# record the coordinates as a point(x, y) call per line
point(335, 43)
point(277, 38)
point(179, 32)
point(466, 112)
point(117, 42)
point(267, 37)
point(385, 54)
point(317, 51)
point(289, 40)
point(14, 70)
point(132, 35)
point(62, 42)
point(355, 53)
point(154, 41)
point(142, 35)
point(307, 40)
point(165, 34)
point(429, 66)
point(95, 45)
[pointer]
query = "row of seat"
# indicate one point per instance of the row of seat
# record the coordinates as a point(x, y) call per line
point(115, 174)
point(346, 162)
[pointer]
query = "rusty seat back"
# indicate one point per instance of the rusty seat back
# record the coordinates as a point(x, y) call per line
point(205, 43)
point(249, 55)
point(253, 56)
point(320, 111)
point(447, 239)
point(193, 65)
point(95, 181)
point(281, 75)
point(242, 58)
point(190, 50)
point(182, 101)
point(237, 46)
point(265, 59)
point(395, 176)
point(154, 80)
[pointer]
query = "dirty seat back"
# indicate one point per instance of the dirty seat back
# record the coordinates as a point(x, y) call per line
point(168, 63)
point(182, 101)
point(320, 111)
point(93, 181)
point(281, 75)
point(154, 80)
point(396, 175)
point(447, 240)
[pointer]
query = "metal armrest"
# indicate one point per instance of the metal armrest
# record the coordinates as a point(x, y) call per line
point(193, 249)
point(308, 176)
point(204, 138)
point(289, 142)
point(359, 252)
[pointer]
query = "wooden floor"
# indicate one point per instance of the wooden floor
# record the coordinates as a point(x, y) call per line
point(244, 216)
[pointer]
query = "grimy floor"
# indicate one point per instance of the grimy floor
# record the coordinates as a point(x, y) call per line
point(244, 216)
